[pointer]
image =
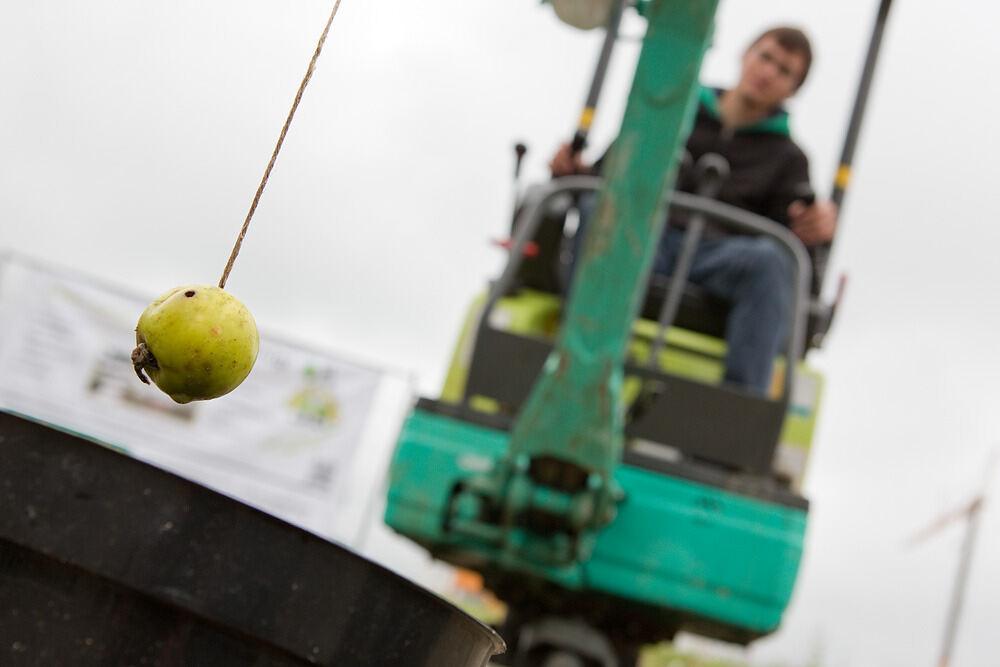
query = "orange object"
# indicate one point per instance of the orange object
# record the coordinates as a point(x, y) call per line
point(530, 248)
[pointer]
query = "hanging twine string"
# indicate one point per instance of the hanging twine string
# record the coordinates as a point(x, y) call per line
point(277, 147)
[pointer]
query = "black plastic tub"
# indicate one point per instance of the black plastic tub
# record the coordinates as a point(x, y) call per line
point(105, 560)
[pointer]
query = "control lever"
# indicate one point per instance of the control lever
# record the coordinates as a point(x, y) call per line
point(519, 150)
point(711, 171)
point(805, 194)
point(818, 254)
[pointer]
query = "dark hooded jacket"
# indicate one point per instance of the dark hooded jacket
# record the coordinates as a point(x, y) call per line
point(767, 170)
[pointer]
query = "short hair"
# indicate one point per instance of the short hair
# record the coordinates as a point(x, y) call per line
point(794, 40)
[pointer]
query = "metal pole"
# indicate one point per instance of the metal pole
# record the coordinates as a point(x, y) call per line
point(843, 176)
point(610, 36)
point(961, 579)
point(965, 564)
point(519, 150)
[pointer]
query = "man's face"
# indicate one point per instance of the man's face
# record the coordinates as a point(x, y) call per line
point(771, 73)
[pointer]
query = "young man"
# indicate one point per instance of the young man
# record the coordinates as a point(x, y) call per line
point(769, 175)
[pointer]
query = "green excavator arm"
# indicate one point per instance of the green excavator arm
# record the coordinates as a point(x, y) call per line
point(567, 440)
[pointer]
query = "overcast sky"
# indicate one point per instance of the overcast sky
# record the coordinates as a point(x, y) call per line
point(135, 133)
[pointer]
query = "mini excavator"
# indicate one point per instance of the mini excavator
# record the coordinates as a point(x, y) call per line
point(584, 456)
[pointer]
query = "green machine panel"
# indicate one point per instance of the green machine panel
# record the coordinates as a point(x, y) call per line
point(718, 559)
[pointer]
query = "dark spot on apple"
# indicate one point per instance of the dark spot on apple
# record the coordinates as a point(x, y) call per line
point(190, 292)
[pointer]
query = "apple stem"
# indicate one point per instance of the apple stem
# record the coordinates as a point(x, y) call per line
point(277, 147)
point(142, 358)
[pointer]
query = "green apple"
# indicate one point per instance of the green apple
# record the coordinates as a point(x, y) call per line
point(196, 342)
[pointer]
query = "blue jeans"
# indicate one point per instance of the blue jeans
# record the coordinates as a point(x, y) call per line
point(756, 276)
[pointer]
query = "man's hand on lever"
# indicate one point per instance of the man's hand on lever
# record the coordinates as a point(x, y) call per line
point(813, 223)
point(566, 162)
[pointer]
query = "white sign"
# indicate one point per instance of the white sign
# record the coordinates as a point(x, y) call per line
point(287, 440)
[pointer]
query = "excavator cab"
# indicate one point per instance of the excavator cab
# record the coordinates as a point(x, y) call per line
point(584, 455)
point(674, 361)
